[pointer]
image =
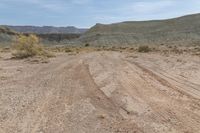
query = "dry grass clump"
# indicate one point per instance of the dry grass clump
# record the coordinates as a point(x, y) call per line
point(177, 50)
point(116, 48)
point(196, 51)
point(80, 49)
point(144, 49)
point(4, 49)
point(28, 46)
point(73, 49)
point(68, 50)
point(63, 49)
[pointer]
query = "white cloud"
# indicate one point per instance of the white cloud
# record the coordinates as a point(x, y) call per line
point(80, 2)
point(149, 7)
point(52, 5)
point(57, 5)
point(45, 4)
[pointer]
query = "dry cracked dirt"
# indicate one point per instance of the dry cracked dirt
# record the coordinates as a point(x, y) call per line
point(101, 92)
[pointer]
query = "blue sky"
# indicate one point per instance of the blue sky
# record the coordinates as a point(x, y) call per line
point(86, 13)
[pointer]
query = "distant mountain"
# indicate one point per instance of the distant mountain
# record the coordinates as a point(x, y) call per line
point(182, 30)
point(8, 35)
point(47, 29)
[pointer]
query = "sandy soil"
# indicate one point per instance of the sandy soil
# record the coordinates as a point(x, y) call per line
point(101, 92)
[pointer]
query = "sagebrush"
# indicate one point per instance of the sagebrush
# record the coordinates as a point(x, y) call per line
point(28, 46)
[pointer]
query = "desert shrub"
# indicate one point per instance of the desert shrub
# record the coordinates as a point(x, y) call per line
point(177, 51)
point(28, 46)
point(68, 50)
point(169, 46)
point(144, 49)
point(87, 45)
point(4, 49)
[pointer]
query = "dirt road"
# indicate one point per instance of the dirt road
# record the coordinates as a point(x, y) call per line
point(101, 92)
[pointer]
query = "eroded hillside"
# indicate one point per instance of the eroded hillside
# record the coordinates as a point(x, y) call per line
point(180, 31)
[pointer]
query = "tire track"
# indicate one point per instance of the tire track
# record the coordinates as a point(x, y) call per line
point(166, 83)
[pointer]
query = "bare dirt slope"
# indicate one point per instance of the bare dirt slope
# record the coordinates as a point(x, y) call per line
point(101, 92)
